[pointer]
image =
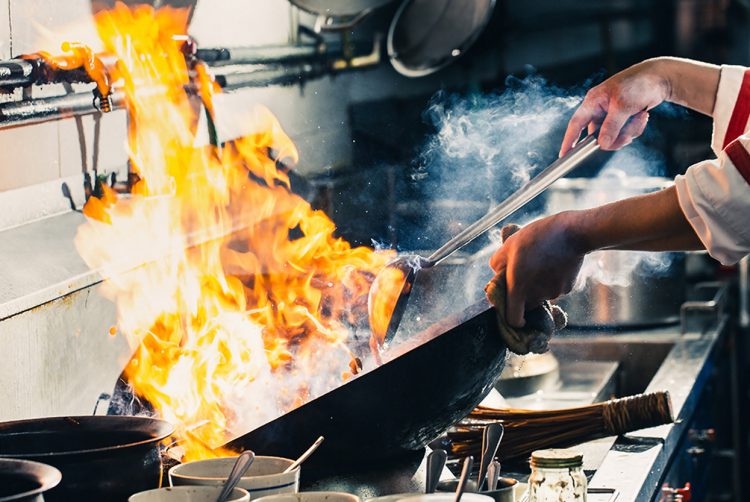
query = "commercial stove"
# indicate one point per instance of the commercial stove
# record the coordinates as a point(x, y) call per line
point(684, 359)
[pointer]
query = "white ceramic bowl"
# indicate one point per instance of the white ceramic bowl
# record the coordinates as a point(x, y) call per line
point(395, 497)
point(264, 477)
point(188, 494)
point(448, 497)
point(312, 497)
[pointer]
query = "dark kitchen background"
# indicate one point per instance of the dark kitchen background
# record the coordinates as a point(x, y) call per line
point(372, 147)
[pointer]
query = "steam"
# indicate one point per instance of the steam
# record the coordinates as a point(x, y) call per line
point(486, 146)
point(616, 268)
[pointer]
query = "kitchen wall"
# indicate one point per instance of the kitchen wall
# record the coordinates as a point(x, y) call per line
point(45, 152)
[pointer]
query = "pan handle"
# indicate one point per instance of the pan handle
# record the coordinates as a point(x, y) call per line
point(535, 186)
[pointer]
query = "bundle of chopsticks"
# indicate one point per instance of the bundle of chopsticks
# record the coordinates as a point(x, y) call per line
point(529, 430)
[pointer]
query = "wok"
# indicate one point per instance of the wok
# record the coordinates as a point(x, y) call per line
point(397, 408)
point(100, 457)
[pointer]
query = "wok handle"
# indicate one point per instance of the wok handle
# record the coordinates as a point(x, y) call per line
point(562, 166)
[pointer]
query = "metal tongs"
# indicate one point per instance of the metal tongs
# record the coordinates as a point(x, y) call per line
point(390, 289)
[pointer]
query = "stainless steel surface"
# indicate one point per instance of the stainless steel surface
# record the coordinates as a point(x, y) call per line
point(745, 292)
point(714, 304)
point(17, 72)
point(435, 465)
point(647, 300)
point(240, 467)
point(528, 374)
point(305, 455)
point(427, 35)
point(635, 464)
point(491, 437)
point(338, 7)
point(622, 288)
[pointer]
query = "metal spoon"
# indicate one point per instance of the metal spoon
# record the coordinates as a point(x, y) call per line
point(468, 464)
point(491, 437)
point(390, 290)
point(493, 474)
point(435, 463)
point(305, 455)
point(240, 467)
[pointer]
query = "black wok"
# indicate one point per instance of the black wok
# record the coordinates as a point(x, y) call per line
point(398, 407)
point(100, 457)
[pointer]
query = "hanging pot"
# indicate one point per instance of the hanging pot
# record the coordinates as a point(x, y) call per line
point(427, 35)
point(336, 8)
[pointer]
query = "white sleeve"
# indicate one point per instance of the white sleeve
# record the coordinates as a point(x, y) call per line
point(732, 106)
point(714, 195)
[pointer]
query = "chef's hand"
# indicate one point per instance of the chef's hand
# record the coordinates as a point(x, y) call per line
point(620, 106)
point(541, 261)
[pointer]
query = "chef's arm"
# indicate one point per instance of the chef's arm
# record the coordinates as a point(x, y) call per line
point(690, 83)
point(652, 222)
point(541, 260)
point(619, 106)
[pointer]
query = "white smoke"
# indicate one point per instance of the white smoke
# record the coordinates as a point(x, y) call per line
point(486, 146)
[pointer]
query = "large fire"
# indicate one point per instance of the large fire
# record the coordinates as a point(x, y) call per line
point(237, 297)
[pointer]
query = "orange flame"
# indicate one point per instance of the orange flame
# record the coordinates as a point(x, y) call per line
point(237, 297)
point(386, 290)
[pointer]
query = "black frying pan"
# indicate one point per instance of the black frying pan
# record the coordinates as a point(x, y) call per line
point(100, 457)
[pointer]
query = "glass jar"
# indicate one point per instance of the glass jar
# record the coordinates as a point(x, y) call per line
point(557, 476)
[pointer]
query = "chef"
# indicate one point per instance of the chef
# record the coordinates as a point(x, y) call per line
point(707, 208)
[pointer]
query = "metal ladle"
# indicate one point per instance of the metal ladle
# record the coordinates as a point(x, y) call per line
point(491, 437)
point(464, 479)
point(435, 464)
point(240, 467)
point(390, 289)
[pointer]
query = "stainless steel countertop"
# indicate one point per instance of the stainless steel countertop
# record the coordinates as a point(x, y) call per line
point(40, 263)
point(635, 463)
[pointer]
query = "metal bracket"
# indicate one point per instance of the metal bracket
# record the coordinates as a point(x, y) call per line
point(339, 23)
point(105, 399)
point(715, 305)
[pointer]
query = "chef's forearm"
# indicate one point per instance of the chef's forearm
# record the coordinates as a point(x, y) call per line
point(691, 83)
point(652, 222)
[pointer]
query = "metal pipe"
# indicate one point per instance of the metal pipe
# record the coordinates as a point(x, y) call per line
point(229, 77)
point(34, 111)
point(18, 72)
point(744, 307)
point(258, 55)
point(242, 76)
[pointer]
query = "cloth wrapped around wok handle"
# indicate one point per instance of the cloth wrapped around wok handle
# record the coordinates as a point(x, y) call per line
point(542, 322)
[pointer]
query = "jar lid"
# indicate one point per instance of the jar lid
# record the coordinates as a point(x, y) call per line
point(556, 458)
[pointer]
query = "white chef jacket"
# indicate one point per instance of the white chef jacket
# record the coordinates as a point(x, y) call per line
point(715, 194)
